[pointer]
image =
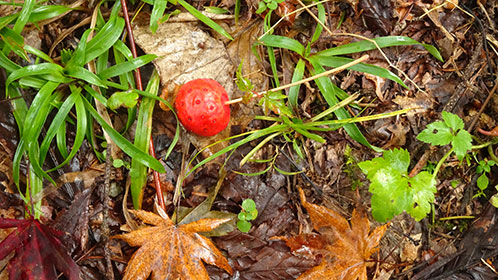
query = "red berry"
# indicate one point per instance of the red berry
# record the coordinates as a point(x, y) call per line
point(200, 105)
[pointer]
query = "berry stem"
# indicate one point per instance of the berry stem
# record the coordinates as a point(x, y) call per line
point(326, 73)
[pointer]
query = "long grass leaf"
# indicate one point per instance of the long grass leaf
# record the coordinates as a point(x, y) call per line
point(81, 125)
point(283, 42)
point(46, 12)
point(382, 42)
point(124, 144)
point(57, 122)
point(294, 91)
point(328, 91)
point(83, 74)
point(126, 66)
point(319, 27)
point(143, 131)
point(209, 22)
point(27, 9)
point(157, 12)
point(336, 61)
point(50, 71)
point(104, 39)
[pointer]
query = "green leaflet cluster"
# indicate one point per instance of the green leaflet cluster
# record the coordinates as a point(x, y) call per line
point(393, 191)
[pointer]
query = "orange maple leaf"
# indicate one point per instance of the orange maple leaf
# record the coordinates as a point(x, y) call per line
point(345, 248)
point(169, 251)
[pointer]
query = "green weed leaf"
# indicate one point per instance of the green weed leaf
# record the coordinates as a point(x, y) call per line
point(436, 133)
point(393, 191)
point(126, 99)
point(450, 131)
point(462, 143)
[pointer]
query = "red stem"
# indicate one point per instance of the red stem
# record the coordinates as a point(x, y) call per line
point(138, 81)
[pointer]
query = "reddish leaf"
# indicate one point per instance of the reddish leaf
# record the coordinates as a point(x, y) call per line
point(344, 248)
point(38, 251)
point(169, 251)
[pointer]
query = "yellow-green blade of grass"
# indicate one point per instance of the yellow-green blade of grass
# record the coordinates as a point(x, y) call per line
point(138, 171)
point(252, 135)
point(330, 91)
point(209, 22)
point(336, 61)
point(123, 143)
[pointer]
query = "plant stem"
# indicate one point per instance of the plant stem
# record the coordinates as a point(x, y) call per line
point(138, 81)
point(440, 163)
point(326, 73)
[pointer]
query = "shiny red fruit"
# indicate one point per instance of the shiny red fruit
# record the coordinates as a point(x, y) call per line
point(200, 105)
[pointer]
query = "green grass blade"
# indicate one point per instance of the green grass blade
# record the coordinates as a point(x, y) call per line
point(124, 144)
point(254, 150)
point(81, 125)
point(319, 27)
point(27, 9)
point(13, 41)
point(282, 42)
point(294, 91)
point(6, 20)
point(253, 135)
point(46, 12)
point(50, 71)
point(60, 139)
point(143, 131)
point(57, 122)
point(383, 42)
point(126, 67)
point(157, 12)
point(104, 39)
point(38, 53)
point(78, 57)
point(7, 64)
point(329, 92)
point(209, 22)
point(19, 107)
point(83, 74)
point(96, 95)
point(336, 61)
point(177, 131)
point(16, 165)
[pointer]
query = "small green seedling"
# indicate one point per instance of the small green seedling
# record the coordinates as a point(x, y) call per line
point(449, 131)
point(247, 214)
point(483, 168)
point(267, 5)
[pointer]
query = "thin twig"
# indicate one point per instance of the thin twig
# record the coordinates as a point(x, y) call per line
point(326, 73)
point(138, 81)
point(105, 213)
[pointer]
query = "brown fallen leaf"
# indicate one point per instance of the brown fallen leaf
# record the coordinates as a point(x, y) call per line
point(169, 251)
point(344, 248)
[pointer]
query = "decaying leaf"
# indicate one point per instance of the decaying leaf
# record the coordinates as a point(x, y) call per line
point(345, 248)
point(168, 251)
point(38, 251)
